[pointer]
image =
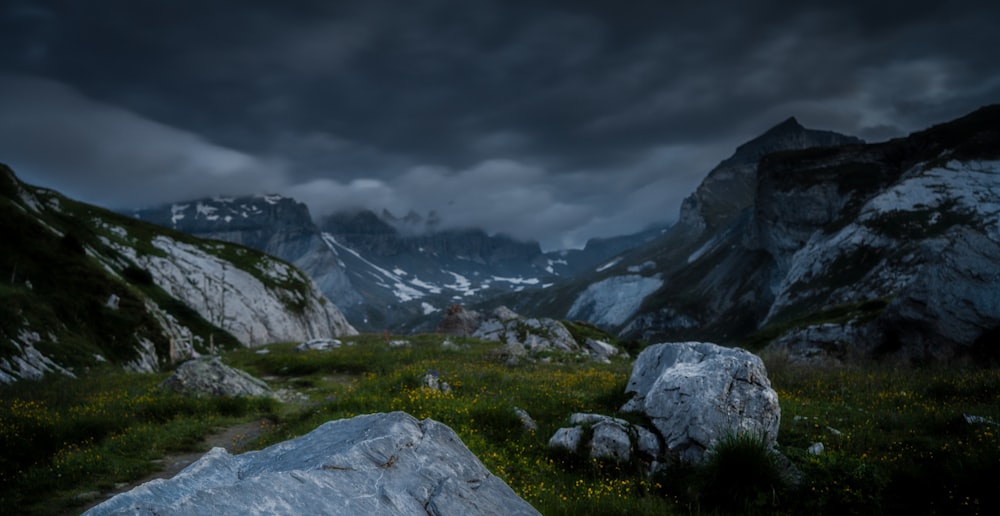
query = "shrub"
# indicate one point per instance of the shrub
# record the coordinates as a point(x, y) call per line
point(740, 475)
point(137, 275)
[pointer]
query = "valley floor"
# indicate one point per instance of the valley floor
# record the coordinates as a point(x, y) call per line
point(894, 440)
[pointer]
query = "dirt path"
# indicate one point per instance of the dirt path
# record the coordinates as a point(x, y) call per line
point(235, 439)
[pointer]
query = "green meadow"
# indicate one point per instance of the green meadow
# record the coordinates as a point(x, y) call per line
point(894, 439)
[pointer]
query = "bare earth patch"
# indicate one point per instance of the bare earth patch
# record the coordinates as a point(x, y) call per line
point(235, 439)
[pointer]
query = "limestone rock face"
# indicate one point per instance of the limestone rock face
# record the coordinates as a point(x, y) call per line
point(372, 464)
point(210, 376)
point(275, 301)
point(695, 393)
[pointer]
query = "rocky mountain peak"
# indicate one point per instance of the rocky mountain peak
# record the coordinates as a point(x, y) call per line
point(225, 214)
point(788, 135)
point(729, 187)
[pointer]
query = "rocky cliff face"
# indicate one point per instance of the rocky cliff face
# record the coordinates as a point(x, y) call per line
point(729, 188)
point(88, 286)
point(855, 251)
point(899, 239)
point(665, 286)
point(828, 253)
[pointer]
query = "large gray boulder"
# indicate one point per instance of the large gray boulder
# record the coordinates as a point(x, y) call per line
point(372, 464)
point(209, 376)
point(695, 393)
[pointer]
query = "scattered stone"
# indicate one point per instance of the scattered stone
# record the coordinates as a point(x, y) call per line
point(978, 420)
point(448, 345)
point(319, 345)
point(815, 449)
point(209, 376)
point(372, 464)
point(112, 302)
point(695, 393)
point(459, 322)
point(568, 438)
point(600, 350)
point(511, 354)
point(290, 396)
point(263, 351)
point(527, 422)
point(399, 344)
point(432, 380)
point(610, 438)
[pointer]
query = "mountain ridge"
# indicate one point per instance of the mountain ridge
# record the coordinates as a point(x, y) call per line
point(89, 286)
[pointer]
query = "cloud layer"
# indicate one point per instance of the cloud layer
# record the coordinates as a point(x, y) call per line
point(557, 120)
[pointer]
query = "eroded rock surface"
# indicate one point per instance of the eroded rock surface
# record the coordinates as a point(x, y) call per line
point(208, 375)
point(372, 464)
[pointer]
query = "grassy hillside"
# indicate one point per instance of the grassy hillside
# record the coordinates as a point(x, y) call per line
point(58, 277)
point(70, 286)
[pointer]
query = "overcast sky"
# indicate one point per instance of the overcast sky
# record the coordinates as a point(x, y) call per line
point(550, 120)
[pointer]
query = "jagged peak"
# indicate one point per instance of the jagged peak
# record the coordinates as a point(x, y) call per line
point(789, 134)
point(790, 123)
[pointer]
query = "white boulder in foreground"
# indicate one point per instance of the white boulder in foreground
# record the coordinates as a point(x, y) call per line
point(373, 464)
point(695, 393)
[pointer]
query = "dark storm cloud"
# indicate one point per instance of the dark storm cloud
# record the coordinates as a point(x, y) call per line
point(555, 120)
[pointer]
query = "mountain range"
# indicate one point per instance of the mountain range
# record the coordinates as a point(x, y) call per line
point(804, 242)
point(383, 271)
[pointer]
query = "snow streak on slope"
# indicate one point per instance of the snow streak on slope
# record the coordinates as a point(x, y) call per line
point(396, 283)
point(406, 286)
point(612, 301)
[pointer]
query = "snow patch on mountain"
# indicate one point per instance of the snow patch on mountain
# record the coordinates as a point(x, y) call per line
point(518, 280)
point(550, 266)
point(391, 280)
point(177, 213)
point(704, 249)
point(608, 265)
point(973, 187)
point(612, 301)
point(207, 211)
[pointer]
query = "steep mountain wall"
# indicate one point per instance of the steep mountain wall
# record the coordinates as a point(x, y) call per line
point(854, 251)
point(698, 268)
